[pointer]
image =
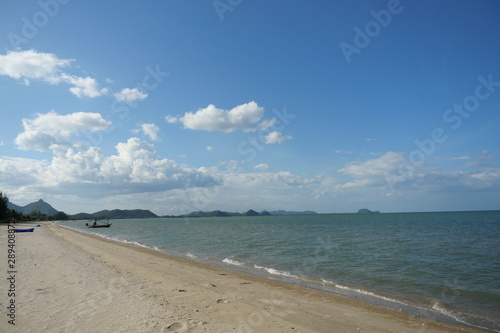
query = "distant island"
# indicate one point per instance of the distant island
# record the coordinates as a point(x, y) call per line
point(367, 211)
point(251, 212)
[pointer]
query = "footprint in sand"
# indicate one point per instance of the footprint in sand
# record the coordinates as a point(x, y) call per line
point(176, 327)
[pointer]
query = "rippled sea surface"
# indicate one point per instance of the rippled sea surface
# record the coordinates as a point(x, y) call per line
point(442, 265)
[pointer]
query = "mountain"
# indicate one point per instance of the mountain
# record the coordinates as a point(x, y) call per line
point(251, 212)
point(284, 212)
point(40, 205)
point(367, 211)
point(218, 213)
point(116, 214)
point(10, 205)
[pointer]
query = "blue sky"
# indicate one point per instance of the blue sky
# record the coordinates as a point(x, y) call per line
point(176, 106)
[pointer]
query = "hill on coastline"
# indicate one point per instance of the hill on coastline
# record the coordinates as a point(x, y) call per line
point(115, 214)
point(39, 205)
point(46, 209)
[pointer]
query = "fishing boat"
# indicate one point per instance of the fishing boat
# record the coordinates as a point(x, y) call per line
point(24, 230)
point(95, 225)
point(107, 225)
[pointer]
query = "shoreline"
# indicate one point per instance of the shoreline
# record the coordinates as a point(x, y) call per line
point(149, 291)
point(350, 292)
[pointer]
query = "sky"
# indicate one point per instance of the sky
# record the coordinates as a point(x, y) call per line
point(179, 106)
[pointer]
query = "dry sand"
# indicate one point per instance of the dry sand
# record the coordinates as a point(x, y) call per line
point(68, 281)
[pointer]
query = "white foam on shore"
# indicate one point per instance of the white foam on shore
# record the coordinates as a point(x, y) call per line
point(233, 262)
point(190, 255)
point(364, 292)
point(274, 271)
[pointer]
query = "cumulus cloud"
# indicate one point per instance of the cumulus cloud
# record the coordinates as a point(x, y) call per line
point(48, 67)
point(84, 86)
point(52, 131)
point(377, 172)
point(151, 130)
point(246, 117)
point(30, 64)
point(276, 137)
point(130, 95)
point(135, 168)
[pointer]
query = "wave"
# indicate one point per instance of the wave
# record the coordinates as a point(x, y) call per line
point(274, 271)
point(233, 262)
point(364, 292)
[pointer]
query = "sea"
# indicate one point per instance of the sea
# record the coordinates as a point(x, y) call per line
point(440, 265)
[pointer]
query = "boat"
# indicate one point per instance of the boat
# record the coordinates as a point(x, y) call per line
point(24, 230)
point(107, 225)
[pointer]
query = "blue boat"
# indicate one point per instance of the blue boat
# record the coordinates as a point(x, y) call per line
point(24, 230)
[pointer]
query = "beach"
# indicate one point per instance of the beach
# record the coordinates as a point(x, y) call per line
point(67, 281)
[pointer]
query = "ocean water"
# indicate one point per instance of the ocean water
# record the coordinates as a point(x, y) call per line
point(440, 265)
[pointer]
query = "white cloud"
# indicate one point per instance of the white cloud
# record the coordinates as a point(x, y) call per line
point(28, 65)
point(135, 168)
point(393, 173)
point(31, 64)
point(261, 166)
point(151, 130)
point(246, 117)
point(276, 137)
point(52, 131)
point(130, 95)
point(376, 172)
point(210, 148)
point(171, 119)
point(84, 86)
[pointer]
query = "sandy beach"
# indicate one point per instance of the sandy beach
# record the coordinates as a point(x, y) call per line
point(67, 281)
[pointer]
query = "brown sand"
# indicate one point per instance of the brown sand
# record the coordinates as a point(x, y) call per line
point(68, 281)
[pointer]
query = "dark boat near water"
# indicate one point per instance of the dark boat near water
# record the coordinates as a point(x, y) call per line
point(24, 230)
point(100, 225)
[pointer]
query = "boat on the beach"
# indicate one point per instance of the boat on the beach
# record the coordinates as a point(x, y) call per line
point(107, 225)
point(24, 230)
